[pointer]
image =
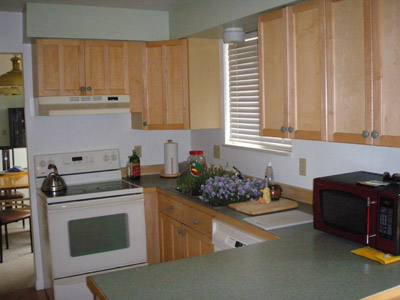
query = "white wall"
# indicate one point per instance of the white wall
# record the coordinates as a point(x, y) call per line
point(89, 22)
point(76, 133)
point(200, 15)
point(323, 158)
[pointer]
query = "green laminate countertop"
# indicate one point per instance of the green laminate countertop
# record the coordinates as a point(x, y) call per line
point(303, 264)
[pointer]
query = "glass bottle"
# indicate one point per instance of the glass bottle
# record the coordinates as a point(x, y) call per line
point(135, 165)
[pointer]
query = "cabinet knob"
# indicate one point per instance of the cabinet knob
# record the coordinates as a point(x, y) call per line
point(89, 88)
point(374, 134)
point(291, 129)
point(283, 129)
point(144, 123)
point(83, 89)
point(181, 232)
point(195, 221)
point(365, 134)
point(169, 207)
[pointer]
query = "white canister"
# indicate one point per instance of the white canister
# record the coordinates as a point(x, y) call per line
point(171, 166)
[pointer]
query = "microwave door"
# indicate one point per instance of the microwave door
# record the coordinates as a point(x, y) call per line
point(346, 211)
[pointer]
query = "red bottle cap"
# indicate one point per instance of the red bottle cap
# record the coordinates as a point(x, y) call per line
point(196, 152)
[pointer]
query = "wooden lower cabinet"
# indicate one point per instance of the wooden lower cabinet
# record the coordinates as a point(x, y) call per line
point(183, 231)
point(171, 241)
point(179, 241)
point(196, 244)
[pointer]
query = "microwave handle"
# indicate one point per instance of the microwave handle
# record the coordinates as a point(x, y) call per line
point(369, 203)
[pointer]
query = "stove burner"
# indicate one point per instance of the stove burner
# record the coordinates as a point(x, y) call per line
point(106, 187)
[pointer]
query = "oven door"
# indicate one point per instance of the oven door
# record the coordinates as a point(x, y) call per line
point(99, 234)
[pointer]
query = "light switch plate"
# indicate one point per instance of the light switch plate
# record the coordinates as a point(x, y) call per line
point(138, 150)
point(217, 153)
point(302, 166)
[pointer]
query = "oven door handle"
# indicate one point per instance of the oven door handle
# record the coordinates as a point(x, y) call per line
point(58, 207)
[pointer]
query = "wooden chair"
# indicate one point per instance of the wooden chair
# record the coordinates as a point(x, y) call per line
point(12, 211)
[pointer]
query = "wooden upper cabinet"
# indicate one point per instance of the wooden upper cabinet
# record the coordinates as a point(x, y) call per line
point(60, 67)
point(292, 72)
point(106, 70)
point(204, 83)
point(307, 93)
point(181, 84)
point(165, 85)
point(273, 82)
point(77, 67)
point(349, 71)
point(386, 72)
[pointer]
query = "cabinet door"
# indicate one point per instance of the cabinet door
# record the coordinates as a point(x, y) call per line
point(166, 85)
point(204, 83)
point(196, 244)
point(307, 105)
point(60, 67)
point(171, 239)
point(106, 68)
point(349, 71)
point(386, 58)
point(273, 83)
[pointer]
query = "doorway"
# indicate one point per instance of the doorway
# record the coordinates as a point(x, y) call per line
point(17, 268)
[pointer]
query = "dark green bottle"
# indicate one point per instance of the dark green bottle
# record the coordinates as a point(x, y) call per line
point(135, 165)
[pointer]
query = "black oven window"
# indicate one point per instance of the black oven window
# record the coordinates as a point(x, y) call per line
point(98, 234)
point(344, 211)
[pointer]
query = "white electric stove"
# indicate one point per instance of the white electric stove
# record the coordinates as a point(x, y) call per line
point(95, 225)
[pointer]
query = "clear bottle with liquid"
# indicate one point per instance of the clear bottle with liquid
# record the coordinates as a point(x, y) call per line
point(269, 175)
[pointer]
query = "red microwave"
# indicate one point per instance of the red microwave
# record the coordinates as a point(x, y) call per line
point(363, 214)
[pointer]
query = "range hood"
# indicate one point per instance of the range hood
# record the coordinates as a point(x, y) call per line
point(83, 105)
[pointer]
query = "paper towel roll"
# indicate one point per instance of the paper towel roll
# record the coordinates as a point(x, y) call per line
point(171, 158)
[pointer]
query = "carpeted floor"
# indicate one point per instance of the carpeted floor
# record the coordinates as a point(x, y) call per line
point(17, 270)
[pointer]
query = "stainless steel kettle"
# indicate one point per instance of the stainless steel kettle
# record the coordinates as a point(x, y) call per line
point(53, 182)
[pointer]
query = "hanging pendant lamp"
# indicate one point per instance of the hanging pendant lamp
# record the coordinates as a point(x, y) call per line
point(10, 81)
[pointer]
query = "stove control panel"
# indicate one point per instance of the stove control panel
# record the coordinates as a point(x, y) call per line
point(78, 162)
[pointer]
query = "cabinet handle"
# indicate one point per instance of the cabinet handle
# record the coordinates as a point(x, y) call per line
point(181, 232)
point(291, 129)
point(365, 134)
point(145, 123)
point(83, 89)
point(169, 207)
point(283, 129)
point(374, 134)
point(89, 88)
point(195, 221)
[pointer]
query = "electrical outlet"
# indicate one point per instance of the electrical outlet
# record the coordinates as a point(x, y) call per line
point(302, 166)
point(138, 150)
point(217, 153)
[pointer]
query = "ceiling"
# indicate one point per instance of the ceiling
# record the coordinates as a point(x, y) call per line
point(162, 5)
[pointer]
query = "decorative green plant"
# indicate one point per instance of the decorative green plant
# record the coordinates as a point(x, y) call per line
point(191, 185)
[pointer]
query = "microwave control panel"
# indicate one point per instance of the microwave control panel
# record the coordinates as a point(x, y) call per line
point(386, 214)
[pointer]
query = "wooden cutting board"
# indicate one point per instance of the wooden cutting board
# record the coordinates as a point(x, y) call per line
point(257, 208)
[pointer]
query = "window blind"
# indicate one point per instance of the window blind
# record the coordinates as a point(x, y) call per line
point(243, 128)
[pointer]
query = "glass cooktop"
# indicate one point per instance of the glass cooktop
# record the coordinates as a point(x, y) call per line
point(94, 190)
